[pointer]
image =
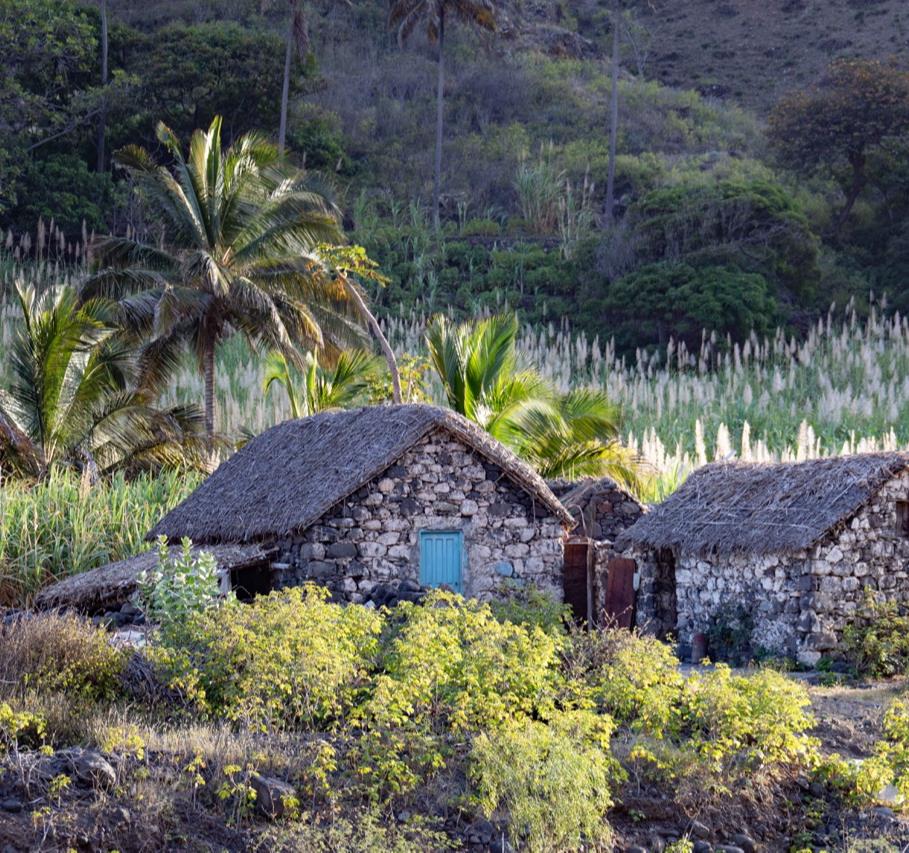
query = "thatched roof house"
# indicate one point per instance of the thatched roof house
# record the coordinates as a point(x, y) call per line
point(371, 503)
point(288, 477)
point(793, 544)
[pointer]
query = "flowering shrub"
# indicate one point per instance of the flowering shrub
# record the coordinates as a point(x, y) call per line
point(632, 677)
point(179, 586)
point(552, 779)
point(756, 720)
point(60, 653)
point(289, 659)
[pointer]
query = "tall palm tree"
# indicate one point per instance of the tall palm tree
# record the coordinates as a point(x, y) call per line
point(237, 253)
point(562, 435)
point(77, 396)
point(404, 16)
point(321, 389)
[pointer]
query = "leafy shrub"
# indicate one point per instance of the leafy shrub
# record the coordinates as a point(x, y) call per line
point(632, 677)
point(51, 652)
point(747, 721)
point(452, 664)
point(450, 668)
point(552, 779)
point(729, 636)
point(531, 607)
point(289, 659)
point(481, 228)
point(19, 727)
point(878, 643)
point(179, 586)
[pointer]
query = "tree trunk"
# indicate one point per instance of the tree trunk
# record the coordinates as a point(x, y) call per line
point(208, 368)
point(285, 86)
point(102, 120)
point(613, 111)
point(440, 101)
point(376, 329)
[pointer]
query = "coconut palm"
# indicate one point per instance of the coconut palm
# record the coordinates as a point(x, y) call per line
point(237, 253)
point(562, 435)
point(76, 397)
point(404, 16)
point(321, 389)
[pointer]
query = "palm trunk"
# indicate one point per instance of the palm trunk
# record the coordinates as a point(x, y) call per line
point(440, 101)
point(102, 120)
point(613, 111)
point(376, 329)
point(285, 86)
point(208, 368)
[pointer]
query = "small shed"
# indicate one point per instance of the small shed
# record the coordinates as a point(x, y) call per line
point(794, 546)
point(599, 585)
point(376, 502)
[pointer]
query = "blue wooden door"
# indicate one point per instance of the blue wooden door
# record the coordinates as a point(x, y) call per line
point(441, 558)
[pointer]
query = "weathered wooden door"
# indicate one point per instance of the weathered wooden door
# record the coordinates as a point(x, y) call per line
point(619, 605)
point(574, 578)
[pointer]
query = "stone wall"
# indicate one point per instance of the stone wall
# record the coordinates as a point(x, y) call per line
point(799, 603)
point(871, 552)
point(766, 588)
point(656, 605)
point(372, 540)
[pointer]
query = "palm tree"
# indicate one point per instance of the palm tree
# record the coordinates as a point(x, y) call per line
point(404, 16)
point(562, 435)
point(236, 253)
point(77, 396)
point(322, 389)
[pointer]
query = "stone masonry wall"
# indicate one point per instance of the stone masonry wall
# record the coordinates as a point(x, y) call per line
point(870, 552)
point(799, 603)
point(656, 604)
point(766, 588)
point(372, 537)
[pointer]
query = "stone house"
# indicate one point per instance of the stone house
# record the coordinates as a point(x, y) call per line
point(374, 504)
point(794, 546)
point(602, 510)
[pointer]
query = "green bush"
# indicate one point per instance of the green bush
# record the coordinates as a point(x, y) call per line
point(751, 721)
point(553, 780)
point(290, 659)
point(877, 644)
point(178, 587)
point(450, 670)
point(631, 677)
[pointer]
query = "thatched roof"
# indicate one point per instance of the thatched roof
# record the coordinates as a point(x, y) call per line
point(575, 495)
point(728, 508)
point(288, 477)
point(109, 586)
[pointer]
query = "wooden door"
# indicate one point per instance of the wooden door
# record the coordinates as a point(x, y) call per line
point(619, 605)
point(574, 578)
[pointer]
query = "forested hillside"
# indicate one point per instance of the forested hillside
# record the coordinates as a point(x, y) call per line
point(720, 221)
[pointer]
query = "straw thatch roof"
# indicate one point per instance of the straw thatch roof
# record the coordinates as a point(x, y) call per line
point(728, 508)
point(575, 495)
point(288, 477)
point(109, 586)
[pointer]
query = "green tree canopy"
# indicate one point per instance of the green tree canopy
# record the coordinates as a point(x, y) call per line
point(676, 300)
point(857, 111)
point(238, 254)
